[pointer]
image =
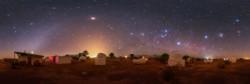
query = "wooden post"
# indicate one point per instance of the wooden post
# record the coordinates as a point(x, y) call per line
point(14, 55)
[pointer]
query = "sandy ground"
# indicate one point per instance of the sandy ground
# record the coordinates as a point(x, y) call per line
point(124, 72)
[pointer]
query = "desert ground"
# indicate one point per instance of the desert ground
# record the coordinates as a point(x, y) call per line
point(125, 72)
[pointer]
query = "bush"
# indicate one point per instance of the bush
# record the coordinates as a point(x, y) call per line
point(112, 55)
point(240, 60)
point(75, 57)
point(186, 58)
point(14, 65)
point(227, 62)
point(221, 66)
point(164, 58)
point(131, 56)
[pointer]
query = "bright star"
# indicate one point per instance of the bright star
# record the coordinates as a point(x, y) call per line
point(92, 18)
point(131, 33)
point(238, 31)
point(206, 37)
point(142, 34)
point(163, 35)
point(221, 35)
point(165, 30)
point(178, 43)
point(237, 20)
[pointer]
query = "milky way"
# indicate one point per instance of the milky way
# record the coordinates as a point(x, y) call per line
point(195, 27)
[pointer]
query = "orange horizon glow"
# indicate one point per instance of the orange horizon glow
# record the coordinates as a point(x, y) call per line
point(95, 46)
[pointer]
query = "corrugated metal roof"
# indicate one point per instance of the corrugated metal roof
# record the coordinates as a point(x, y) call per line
point(27, 54)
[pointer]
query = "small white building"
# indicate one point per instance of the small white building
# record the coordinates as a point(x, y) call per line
point(100, 59)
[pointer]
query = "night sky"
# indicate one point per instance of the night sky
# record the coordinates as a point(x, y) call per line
point(194, 27)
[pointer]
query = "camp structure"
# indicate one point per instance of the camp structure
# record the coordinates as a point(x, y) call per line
point(60, 59)
point(176, 60)
point(28, 58)
point(83, 58)
point(100, 59)
point(142, 60)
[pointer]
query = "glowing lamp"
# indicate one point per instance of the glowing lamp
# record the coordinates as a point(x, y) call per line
point(126, 57)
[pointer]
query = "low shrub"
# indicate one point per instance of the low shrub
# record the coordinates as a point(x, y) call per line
point(164, 58)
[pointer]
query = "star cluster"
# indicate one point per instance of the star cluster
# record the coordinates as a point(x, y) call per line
point(214, 27)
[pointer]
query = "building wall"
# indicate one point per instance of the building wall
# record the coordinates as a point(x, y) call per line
point(176, 60)
point(100, 61)
point(64, 60)
point(34, 59)
point(22, 59)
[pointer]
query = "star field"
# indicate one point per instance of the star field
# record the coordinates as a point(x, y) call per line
point(195, 27)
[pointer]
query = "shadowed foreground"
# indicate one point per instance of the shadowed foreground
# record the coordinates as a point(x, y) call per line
point(124, 72)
